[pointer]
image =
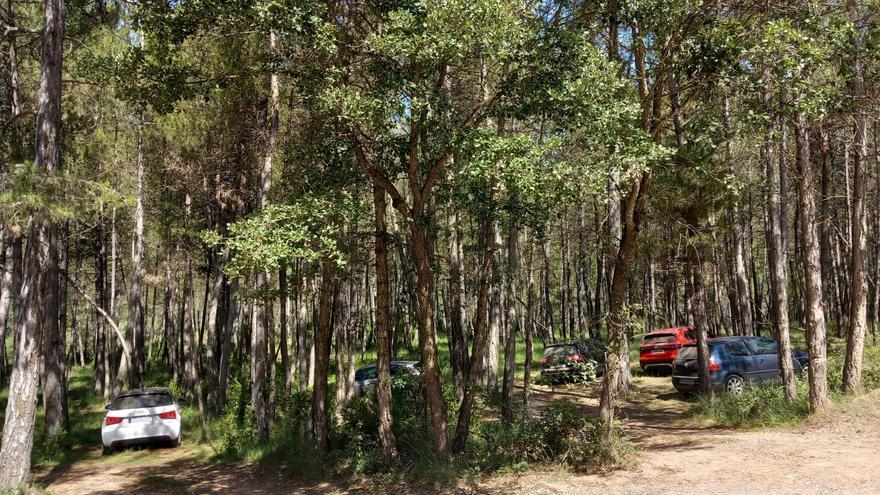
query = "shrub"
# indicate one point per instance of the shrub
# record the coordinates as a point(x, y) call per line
point(583, 372)
point(759, 405)
point(561, 434)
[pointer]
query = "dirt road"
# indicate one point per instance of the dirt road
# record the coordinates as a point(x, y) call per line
point(837, 454)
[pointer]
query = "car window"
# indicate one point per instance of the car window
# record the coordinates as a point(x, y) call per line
point(369, 373)
point(594, 348)
point(143, 400)
point(660, 338)
point(736, 348)
point(559, 350)
point(690, 334)
point(687, 353)
point(763, 346)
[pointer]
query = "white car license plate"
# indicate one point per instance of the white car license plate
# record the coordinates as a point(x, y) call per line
point(145, 419)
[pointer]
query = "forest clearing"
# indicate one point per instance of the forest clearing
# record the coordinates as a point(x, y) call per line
point(676, 453)
point(439, 245)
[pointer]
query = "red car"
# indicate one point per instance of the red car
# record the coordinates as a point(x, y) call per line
point(660, 347)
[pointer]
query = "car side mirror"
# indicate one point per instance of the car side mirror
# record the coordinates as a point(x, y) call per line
point(181, 402)
point(107, 407)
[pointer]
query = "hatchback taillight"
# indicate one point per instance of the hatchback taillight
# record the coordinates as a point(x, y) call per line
point(168, 415)
point(544, 360)
point(112, 420)
point(713, 366)
point(574, 357)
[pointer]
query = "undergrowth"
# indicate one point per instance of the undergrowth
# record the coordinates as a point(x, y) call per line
point(561, 436)
point(765, 404)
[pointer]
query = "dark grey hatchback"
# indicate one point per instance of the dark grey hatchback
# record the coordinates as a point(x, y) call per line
point(733, 362)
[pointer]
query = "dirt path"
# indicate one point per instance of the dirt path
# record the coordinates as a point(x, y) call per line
point(840, 454)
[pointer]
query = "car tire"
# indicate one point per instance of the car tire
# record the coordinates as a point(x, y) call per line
point(105, 450)
point(734, 384)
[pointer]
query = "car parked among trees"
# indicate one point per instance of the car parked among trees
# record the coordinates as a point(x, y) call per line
point(142, 416)
point(564, 361)
point(734, 362)
point(660, 347)
point(366, 378)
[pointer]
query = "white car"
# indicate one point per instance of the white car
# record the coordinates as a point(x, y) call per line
point(141, 416)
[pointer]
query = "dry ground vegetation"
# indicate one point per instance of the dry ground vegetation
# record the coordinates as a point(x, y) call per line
point(676, 445)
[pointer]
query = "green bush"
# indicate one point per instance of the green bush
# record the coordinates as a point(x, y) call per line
point(562, 434)
point(759, 405)
point(583, 372)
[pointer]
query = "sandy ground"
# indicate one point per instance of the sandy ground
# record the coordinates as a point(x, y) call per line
point(836, 454)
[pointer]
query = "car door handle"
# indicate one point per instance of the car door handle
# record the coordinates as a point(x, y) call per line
point(761, 361)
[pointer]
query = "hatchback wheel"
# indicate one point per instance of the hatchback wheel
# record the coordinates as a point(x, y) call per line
point(735, 384)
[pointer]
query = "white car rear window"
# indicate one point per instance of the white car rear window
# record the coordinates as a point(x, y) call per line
point(142, 400)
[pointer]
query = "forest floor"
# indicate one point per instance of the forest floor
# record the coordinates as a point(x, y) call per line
point(837, 453)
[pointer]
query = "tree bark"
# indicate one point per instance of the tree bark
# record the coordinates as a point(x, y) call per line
point(9, 290)
point(741, 286)
point(53, 352)
point(529, 329)
point(778, 261)
point(136, 316)
point(383, 328)
point(458, 319)
point(495, 319)
point(18, 428)
point(858, 305)
point(634, 206)
point(696, 270)
point(512, 322)
point(323, 337)
point(815, 315)
point(481, 335)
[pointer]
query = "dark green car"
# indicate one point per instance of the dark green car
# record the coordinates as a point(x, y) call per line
point(561, 360)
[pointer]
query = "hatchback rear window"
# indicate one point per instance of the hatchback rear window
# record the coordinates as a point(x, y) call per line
point(559, 350)
point(142, 400)
point(662, 338)
point(689, 352)
point(369, 373)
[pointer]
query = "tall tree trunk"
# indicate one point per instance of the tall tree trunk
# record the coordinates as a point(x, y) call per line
point(481, 335)
point(529, 329)
point(8, 290)
point(696, 271)
point(876, 318)
point(458, 319)
point(215, 329)
point(495, 319)
point(136, 317)
point(284, 301)
point(383, 329)
point(302, 330)
point(858, 305)
point(422, 252)
point(741, 286)
point(259, 327)
point(53, 355)
point(547, 289)
point(341, 305)
point(323, 337)
point(778, 261)
point(228, 330)
point(18, 428)
point(512, 322)
point(617, 346)
point(815, 315)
